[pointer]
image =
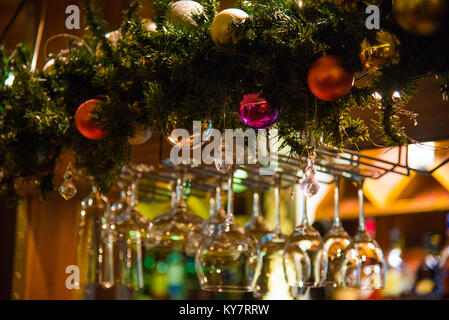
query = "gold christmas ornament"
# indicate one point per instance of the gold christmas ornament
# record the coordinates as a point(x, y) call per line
point(384, 53)
point(220, 31)
point(181, 12)
point(421, 17)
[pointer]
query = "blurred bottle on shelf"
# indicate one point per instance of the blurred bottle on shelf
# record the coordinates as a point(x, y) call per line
point(444, 264)
point(428, 276)
point(176, 276)
point(398, 279)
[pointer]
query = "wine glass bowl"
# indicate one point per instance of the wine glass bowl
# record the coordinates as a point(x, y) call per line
point(306, 241)
point(272, 283)
point(372, 268)
point(258, 227)
point(343, 261)
point(228, 260)
point(178, 228)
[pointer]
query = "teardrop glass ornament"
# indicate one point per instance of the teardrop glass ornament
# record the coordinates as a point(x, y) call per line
point(67, 190)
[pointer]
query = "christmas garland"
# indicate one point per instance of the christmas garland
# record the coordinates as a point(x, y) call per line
point(168, 76)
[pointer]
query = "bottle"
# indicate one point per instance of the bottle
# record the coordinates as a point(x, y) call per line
point(176, 275)
point(427, 282)
point(394, 285)
point(444, 264)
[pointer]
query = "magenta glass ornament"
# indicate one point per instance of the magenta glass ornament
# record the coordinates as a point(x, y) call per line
point(256, 112)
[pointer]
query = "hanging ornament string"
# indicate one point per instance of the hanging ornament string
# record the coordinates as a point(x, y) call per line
point(65, 35)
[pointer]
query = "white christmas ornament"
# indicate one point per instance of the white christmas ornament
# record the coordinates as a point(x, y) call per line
point(150, 25)
point(116, 35)
point(49, 67)
point(141, 135)
point(181, 12)
point(220, 31)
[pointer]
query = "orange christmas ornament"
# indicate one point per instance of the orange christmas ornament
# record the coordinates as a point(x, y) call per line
point(328, 80)
point(84, 123)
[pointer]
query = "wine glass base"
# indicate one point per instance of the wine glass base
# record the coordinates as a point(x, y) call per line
point(225, 288)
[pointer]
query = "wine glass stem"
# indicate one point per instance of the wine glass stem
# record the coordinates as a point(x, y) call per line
point(133, 194)
point(361, 213)
point(256, 209)
point(218, 202)
point(277, 227)
point(230, 213)
point(337, 222)
point(304, 219)
point(179, 190)
point(211, 206)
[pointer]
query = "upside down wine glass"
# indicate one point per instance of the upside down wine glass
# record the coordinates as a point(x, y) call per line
point(217, 213)
point(257, 225)
point(131, 229)
point(229, 259)
point(272, 283)
point(179, 228)
point(305, 239)
point(94, 249)
point(343, 268)
point(373, 268)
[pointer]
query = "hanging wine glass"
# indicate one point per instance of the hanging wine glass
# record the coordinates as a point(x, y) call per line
point(272, 283)
point(257, 225)
point(130, 232)
point(306, 239)
point(178, 228)
point(228, 260)
point(94, 249)
point(343, 268)
point(373, 268)
point(217, 213)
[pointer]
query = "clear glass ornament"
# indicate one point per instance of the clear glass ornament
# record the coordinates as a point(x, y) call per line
point(68, 190)
point(310, 185)
point(195, 138)
point(220, 161)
